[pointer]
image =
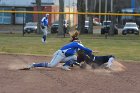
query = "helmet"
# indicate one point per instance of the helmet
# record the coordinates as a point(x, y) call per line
point(47, 15)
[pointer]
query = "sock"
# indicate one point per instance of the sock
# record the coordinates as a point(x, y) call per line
point(43, 64)
point(44, 37)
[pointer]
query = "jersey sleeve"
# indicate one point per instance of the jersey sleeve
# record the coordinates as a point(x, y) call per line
point(42, 21)
point(87, 50)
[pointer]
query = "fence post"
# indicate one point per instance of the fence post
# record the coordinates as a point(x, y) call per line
point(23, 25)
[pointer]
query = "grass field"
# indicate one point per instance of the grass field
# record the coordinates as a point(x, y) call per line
point(123, 47)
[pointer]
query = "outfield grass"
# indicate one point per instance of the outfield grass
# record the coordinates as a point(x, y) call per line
point(123, 47)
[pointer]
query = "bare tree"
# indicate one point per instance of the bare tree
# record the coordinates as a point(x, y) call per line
point(91, 8)
point(113, 18)
point(81, 18)
point(38, 3)
point(61, 17)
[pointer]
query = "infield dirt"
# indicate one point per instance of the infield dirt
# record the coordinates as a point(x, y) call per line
point(123, 78)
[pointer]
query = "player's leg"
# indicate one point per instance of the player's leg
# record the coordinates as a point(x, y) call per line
point(69, 61)
point(57, 57)
point(43, 38)
point(67, 65)
point(44, 35)
point(110, 61)
point(73, 57)
point(100, 61)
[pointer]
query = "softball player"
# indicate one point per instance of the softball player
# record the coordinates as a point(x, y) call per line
point(64, 54)
point(44, 27)
point(94, 61)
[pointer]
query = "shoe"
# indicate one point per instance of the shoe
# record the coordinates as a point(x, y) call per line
point(66, 68)
point(77, 64)
point(31, 65)
point(28, 67)
point(44, 42)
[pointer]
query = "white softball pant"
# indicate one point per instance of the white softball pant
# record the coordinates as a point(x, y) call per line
point(58, 57)
point(45, 30)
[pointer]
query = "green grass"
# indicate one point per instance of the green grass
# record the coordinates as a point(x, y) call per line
point(123, 47)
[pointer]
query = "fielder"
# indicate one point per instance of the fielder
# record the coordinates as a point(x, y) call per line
point(44, 28)
point(66, 53)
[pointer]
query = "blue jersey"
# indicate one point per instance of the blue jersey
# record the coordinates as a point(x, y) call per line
point(72, 48)
point(44, 21)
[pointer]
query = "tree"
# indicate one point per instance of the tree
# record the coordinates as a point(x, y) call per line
point(113, 18)
point(81, 17)
point(38, 3)
point(91, 8)
point(61, 17)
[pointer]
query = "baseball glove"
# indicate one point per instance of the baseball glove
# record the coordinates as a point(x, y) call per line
point(85, 59)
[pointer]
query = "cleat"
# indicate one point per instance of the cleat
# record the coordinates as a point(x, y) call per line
point(28, 67)
point(42, 40)
point(66, 68)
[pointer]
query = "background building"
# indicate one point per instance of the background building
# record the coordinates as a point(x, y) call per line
point(25, 5)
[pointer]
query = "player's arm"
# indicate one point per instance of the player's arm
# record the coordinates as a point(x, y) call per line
point(42, 23)
point(87, 50)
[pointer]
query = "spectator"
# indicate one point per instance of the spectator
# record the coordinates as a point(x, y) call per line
point(65, 26)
